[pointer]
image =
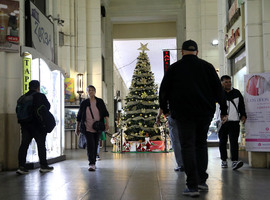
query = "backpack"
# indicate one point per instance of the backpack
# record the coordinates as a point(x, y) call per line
point(45, 119)
point(24, 108)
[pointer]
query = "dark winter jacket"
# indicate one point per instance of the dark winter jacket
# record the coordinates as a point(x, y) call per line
point(237, 109)
point(192, 87)
point(38, 100)
point(81, 117)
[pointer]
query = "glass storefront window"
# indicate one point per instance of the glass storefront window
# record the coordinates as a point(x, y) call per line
point(50, 85)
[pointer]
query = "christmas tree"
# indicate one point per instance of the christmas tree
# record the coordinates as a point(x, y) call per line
point(142, 102)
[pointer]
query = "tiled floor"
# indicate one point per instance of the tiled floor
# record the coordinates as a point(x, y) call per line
point(132, 176)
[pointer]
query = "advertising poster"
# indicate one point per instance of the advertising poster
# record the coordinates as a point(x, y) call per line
point(9, 26)
point(257, 101)
point(69, 90)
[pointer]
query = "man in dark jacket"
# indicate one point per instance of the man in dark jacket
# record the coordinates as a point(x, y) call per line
point(32, 130)
point(231, 128)
point(191, 87)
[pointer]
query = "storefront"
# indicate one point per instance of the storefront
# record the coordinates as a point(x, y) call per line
point(37, 67)
point(38, 64)
point(235, 53)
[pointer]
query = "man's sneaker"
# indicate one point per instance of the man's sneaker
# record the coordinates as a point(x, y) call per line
point(98, 158)
point(44, 169)
point(237, 164)
point(22, 170)
point(92, 168)
point(203, 187)
point(224, 164)
point(191, 192)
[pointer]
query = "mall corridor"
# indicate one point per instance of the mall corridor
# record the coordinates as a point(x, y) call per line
point(131, 176)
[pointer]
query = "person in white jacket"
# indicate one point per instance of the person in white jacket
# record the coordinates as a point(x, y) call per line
point(231, 128)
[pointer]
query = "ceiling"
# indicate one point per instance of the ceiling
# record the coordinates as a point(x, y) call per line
point(125, 51)
point(125, 56)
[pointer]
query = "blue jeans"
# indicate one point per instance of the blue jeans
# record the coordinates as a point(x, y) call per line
point(175, 141)
point(193, 139)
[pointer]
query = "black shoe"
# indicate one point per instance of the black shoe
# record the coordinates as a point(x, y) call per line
point(22, 170)
point(182, 169)
point(191, 192)
point(237, 164)
point(47, 168)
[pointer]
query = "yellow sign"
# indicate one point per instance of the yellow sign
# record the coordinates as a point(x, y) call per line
point(26, 74)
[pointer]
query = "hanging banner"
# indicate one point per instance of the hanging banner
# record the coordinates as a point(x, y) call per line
point(9, 25)
point(166, 60)
point(257, 101)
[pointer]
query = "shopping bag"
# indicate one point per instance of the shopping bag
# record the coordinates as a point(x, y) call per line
point(103, 136)
point(82, 141)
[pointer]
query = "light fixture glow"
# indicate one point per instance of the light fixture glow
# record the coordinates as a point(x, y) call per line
point(214, 42)
point(80, 83)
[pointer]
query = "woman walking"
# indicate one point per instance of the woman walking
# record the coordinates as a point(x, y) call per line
point(90, 122)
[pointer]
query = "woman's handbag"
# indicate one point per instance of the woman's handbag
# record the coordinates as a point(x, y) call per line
point(99, 126)
point(82, 141)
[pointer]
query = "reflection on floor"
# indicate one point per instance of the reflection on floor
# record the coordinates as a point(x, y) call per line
point(132, 177)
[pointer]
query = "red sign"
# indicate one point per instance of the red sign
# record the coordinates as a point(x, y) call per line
point(12, 39)
point(166, 60)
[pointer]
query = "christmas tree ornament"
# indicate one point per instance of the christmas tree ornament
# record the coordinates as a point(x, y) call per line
point(144, 95)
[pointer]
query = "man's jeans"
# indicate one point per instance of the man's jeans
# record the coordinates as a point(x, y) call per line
point(175, 141)
point(193, 139)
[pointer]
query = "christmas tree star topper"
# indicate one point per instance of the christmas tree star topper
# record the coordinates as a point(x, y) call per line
point(143, 47)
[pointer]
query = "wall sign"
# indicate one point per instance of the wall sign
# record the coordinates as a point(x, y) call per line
point(166, 60)
point(231, 39)
point(257, 102)
point(26, 74)
point(39, 31)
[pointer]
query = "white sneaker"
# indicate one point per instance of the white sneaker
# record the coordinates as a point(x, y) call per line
point(92, 168)
point(98, 158)
point(224, 164)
